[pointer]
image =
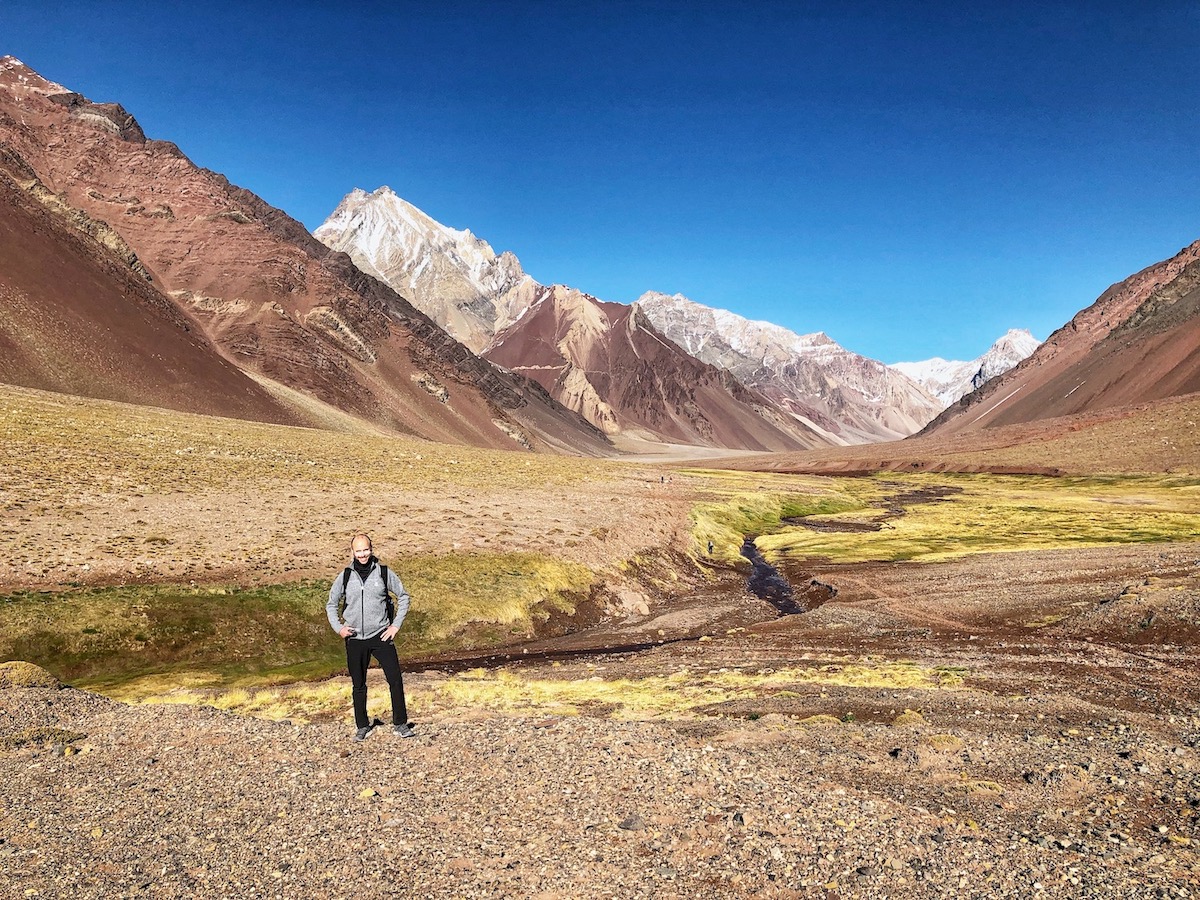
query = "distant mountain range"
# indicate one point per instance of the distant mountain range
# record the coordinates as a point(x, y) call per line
point(815, 390)
point(851, 398)
point(607, 362)
point(129, 273)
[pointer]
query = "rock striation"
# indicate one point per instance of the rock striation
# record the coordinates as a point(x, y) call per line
point(1138, 343)
point(608, 362)
point(80, 315)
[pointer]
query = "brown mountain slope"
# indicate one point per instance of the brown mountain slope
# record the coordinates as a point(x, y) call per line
point(1162, 436)
point(77, 317)
point(273, 299)
point(606, 361)
point(1139, 342)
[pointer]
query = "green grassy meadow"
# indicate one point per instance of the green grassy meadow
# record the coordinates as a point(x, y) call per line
point(105, 638)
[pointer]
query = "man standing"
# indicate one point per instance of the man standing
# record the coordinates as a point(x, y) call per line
point(369, 622)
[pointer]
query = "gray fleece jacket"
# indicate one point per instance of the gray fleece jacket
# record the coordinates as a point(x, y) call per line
point(366, 602)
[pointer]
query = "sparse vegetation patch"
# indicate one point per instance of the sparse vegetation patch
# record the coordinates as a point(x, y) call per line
point(681, 694)
point(751, 504)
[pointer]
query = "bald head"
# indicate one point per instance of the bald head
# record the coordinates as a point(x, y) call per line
point(360, 546)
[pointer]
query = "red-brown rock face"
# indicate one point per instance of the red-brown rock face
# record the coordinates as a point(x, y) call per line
point(606, 361)
point(1139, 342)
point(77, 316)
point(273, 299)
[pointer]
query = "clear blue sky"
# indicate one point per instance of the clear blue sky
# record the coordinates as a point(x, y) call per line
point(911, 178)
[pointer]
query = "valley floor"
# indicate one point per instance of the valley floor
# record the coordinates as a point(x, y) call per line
point(1014, 725)
point(1005, 724)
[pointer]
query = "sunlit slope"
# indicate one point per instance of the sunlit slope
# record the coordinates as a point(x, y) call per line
point(1152, 437)
point(97, 492)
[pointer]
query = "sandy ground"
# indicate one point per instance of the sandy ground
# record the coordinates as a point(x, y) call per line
point(105, 493)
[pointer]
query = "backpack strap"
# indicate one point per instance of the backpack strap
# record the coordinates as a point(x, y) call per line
point(387, 594)
point(342, 602)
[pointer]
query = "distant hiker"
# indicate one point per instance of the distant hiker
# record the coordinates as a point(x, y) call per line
point(710, 548)
point(361, 611)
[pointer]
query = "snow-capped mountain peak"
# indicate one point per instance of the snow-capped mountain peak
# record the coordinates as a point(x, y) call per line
point(451, 275)
point(948, 380)
point(858, 398)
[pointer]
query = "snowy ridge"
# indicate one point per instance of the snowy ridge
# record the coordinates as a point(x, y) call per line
point(858, 398)
point(15, 72)
point(451, 275)
point(950, 380)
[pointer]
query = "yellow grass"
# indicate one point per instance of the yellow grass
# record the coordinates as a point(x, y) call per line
point(739, 504)
point(682, 694)
point(1001, 513)
point(511, 591)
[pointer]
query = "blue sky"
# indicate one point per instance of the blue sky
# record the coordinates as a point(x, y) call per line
point(911, 178)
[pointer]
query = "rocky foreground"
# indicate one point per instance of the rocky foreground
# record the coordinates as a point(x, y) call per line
point(1004, 725)
point(1007, 798)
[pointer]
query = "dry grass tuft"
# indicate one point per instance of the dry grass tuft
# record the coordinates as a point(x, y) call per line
point(42, 735)
point(907, 718)
point(943, 743)
point(20, 674)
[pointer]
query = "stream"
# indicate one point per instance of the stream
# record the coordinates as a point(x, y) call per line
point(767, 583)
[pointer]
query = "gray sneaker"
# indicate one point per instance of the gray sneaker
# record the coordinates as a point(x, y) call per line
point(363, 733)
point(403, 730)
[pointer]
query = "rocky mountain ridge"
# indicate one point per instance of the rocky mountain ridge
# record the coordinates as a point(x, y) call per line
point(607, 362)
point(589, 354)
point(1139, 342)
point(452, 276)
point(948, 380)
point(274, 301)
point(851, 398)
point(457, 279)
point(79, 315)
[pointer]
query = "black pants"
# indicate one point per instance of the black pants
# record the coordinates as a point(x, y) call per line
point(358, 658)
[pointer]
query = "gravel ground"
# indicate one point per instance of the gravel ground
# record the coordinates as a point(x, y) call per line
point(1065, 763)
point(164, 801)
